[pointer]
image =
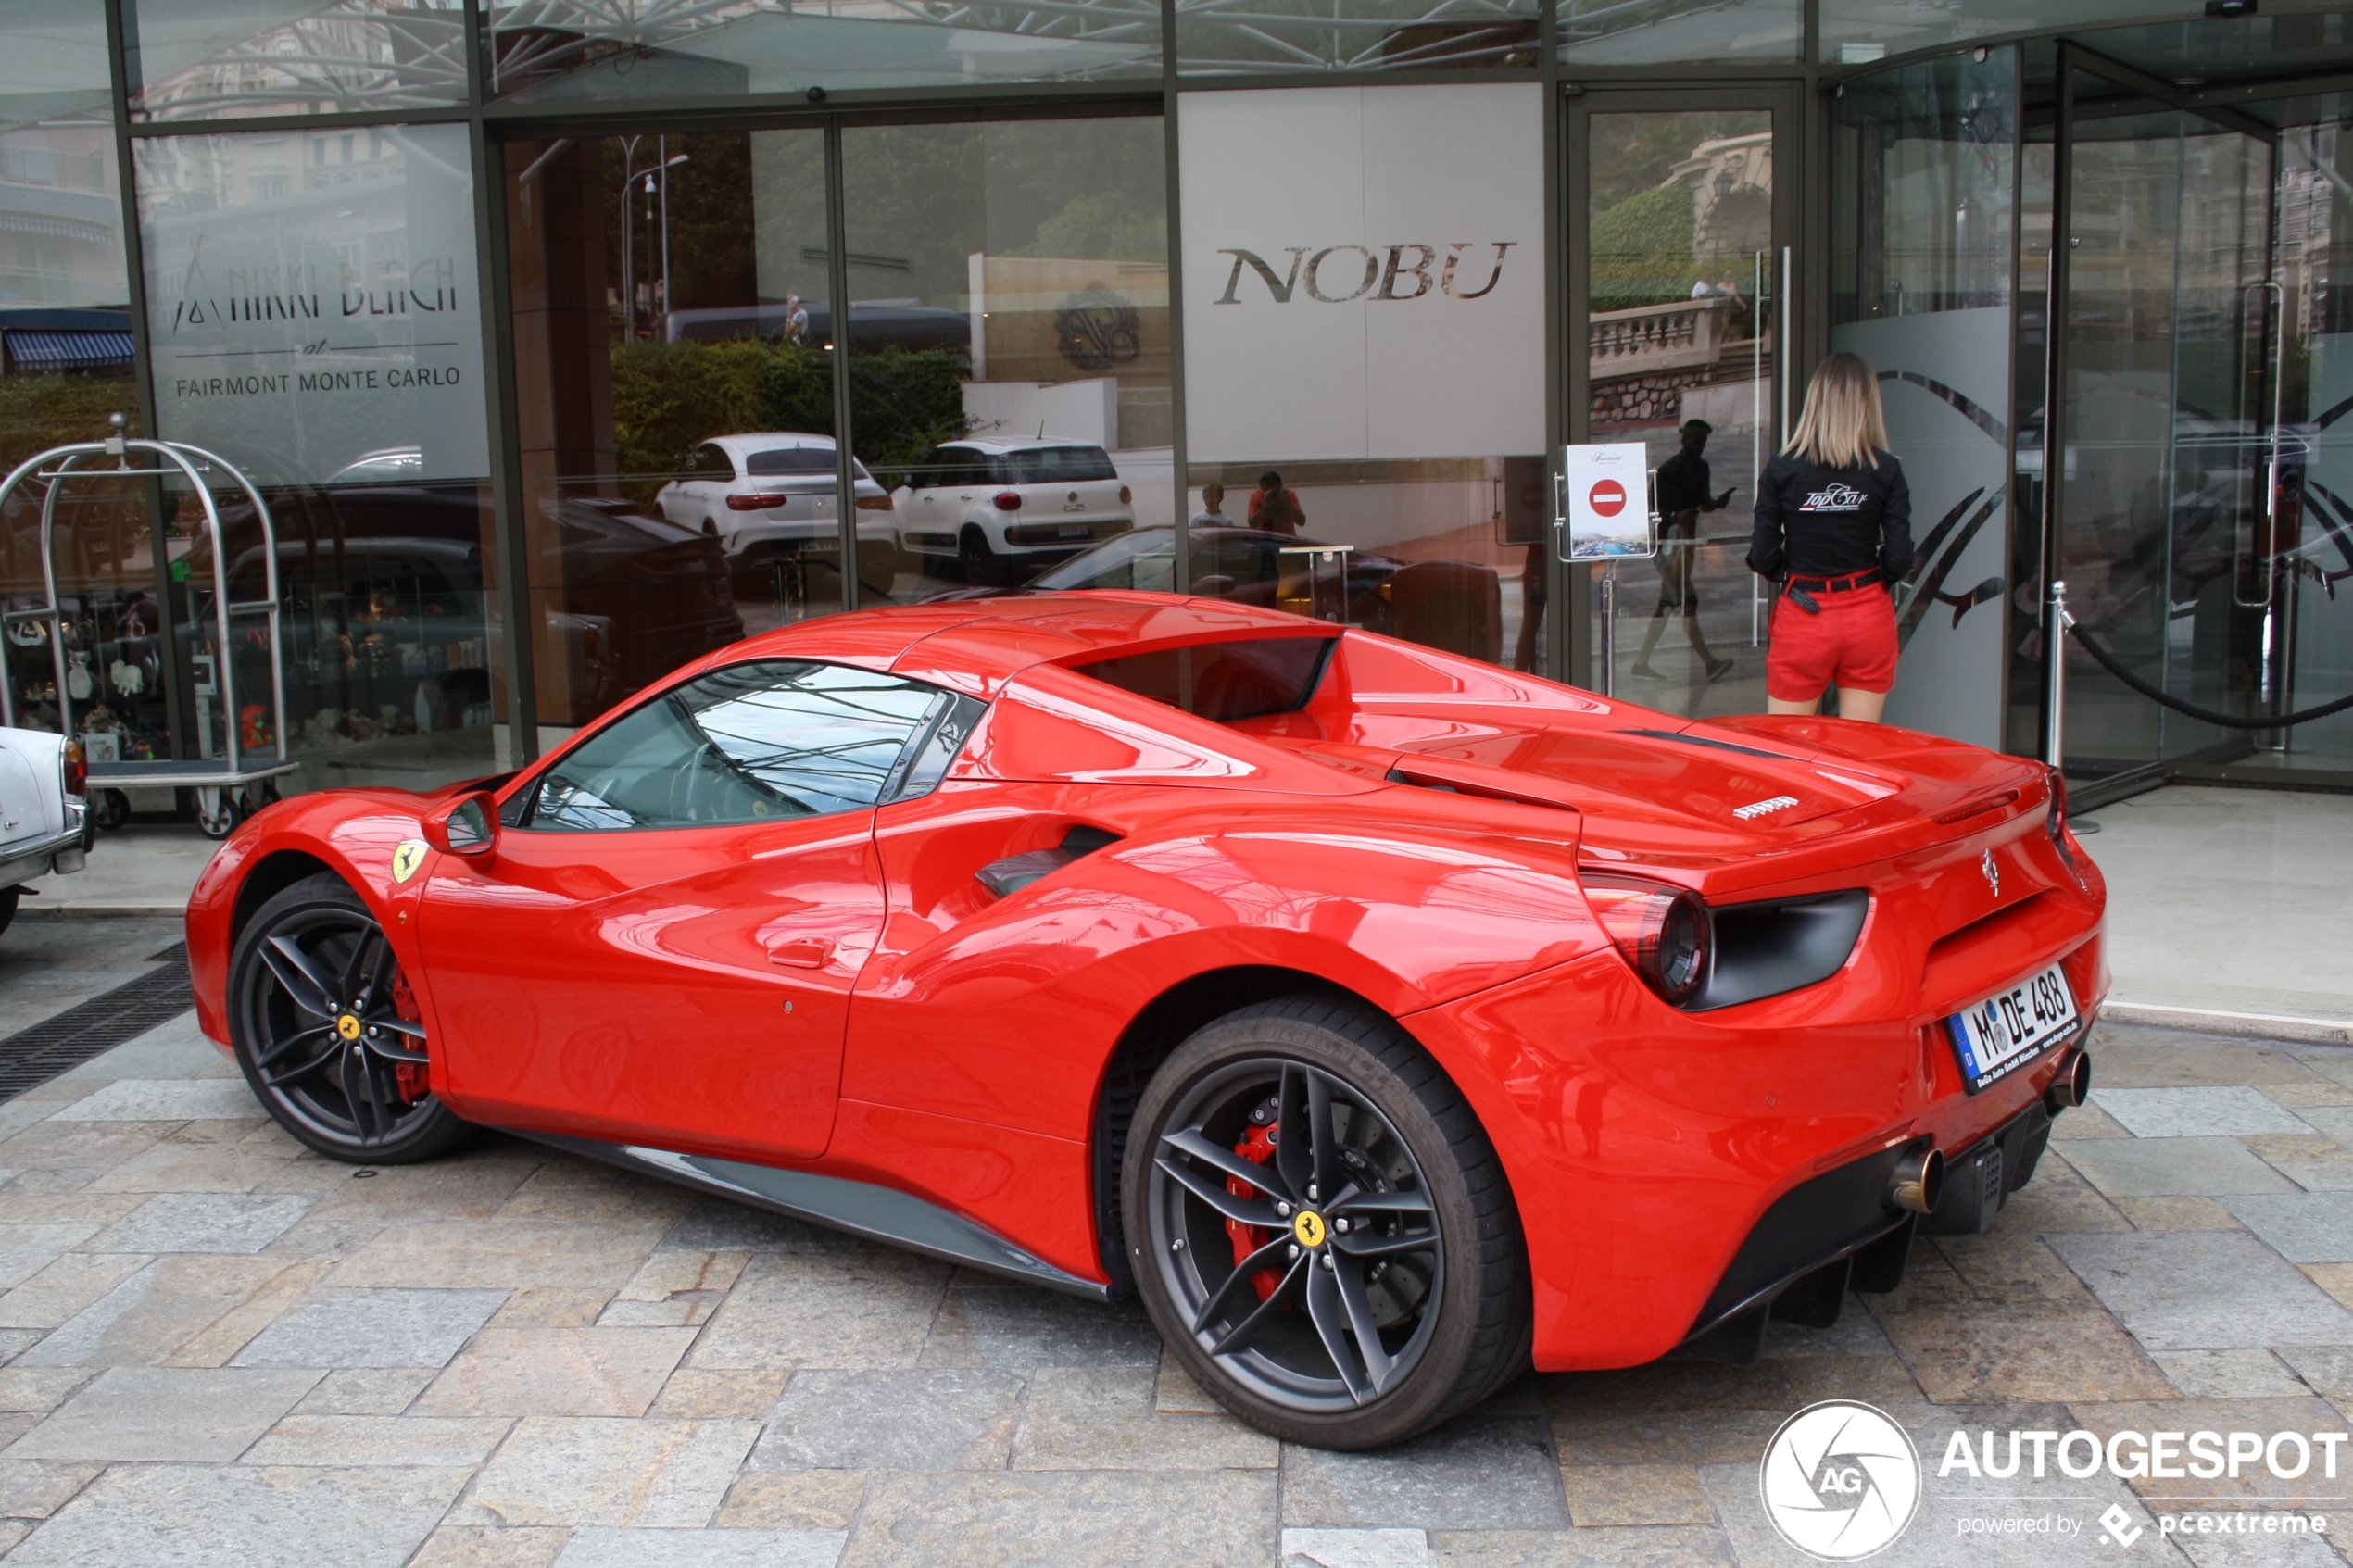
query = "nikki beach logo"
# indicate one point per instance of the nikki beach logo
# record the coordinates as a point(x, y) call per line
point(294, 293)
point(1337, 274)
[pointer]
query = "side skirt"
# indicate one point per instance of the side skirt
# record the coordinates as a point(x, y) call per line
point(879, 1214)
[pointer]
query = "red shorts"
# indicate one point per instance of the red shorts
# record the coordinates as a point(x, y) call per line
point(1850, 643)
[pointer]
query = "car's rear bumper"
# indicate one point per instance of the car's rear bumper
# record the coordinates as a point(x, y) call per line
point(59, 853)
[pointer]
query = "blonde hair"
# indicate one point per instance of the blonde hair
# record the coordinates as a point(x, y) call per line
point(1843, 425)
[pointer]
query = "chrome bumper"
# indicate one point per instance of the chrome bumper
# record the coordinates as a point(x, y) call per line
point(61, 854)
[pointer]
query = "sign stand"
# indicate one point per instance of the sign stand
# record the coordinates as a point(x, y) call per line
point(1601, 525)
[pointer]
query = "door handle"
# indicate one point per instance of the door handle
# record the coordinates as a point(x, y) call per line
point(800, 952)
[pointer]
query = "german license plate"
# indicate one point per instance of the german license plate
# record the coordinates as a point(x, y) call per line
point(2011, 1028)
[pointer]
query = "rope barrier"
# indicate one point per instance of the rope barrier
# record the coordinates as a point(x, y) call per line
point(2204, 715)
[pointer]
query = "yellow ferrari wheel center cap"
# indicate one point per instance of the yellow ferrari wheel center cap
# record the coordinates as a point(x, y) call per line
point(1308, 1226)
point(348, 1027)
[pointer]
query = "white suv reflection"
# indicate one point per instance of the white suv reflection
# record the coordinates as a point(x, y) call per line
point(766, 494)
point(1006, 511)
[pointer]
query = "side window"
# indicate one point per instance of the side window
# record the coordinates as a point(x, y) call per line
point(711, 462)
point(754, 742)
point(924, 474)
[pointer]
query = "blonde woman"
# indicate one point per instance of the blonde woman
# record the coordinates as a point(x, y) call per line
point(1833, 528)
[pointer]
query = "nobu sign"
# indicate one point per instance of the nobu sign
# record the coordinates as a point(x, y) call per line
point(1403, 272)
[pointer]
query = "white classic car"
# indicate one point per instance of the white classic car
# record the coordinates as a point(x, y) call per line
point(43, 821)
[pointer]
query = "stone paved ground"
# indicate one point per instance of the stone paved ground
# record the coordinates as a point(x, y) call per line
point(218, 1350)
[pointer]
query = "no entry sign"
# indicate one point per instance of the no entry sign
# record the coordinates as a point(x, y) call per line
point(1608, 497)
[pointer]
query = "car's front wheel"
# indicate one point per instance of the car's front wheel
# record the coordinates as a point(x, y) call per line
point(983, 566)
point(327, 1029)
point(1320, 1228)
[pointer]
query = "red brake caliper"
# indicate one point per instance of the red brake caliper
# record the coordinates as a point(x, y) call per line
point(1258, 1147)
point(409, 1076)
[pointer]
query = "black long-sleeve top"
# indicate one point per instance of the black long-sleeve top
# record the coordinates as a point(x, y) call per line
point(1814, 520)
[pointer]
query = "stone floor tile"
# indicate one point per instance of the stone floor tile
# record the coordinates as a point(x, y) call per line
point(491, 1546)
point(1875, 1380)
point(377, 1439)
point(25, 1250)
point(178, 1167)
point(599, 1547)
point(1020, 1326)
point(372, 1328)
point(40, 1390)
point(1103, 1418)
point(1175, 1393)
point(203, 1414)
point(1672, 1387)
point(1071, 1519)
point(455, 1254)
point(150, 1316)
point(32, 1491)
point(1357, 1549)
point(470, 1182)
point(88, 1146)
point(2173, 1167)
point(2334, 1278)
point(793, 1500)
point(2235, 1374)
point(1696, 1438)
point(675, 1288)
point(2211, 1112)
point(550, 1306)
point(2258, 1551)
point(2057, 1199)
point(2335, 1122)
point(867, 1310)
point(2205, 1290)
point(546, 1371)
point(1472, 1472)
point(166, 1100)
point(65, 1288)
point(2329, 1172)
point(220, 1340)
point(2009, 1353)
point(2154, 1058)
point(1635, 1494)
point(2317, 1093)
point(744, 1395)
point(18, 1207)
point(583, 1471)
point(203, 1221)
point(366, 1391)
point(2264, 1417)
point(2177, 1214)
point(928, 1418)
point(1675, 1547)
point(200, 1516)
point(2303, 1227)
point(654, 1203)
point(2011, 1271)
point(2320, 1369)
point(2086, 1122)
point(15, 1342)
point(713, 1224)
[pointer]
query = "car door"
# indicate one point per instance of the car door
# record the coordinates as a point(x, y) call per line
point(700, 497)
point(660, 947)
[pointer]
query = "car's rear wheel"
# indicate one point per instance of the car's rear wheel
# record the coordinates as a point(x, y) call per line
point(983, 566)
point(1321, 1229)
point(327, 1030)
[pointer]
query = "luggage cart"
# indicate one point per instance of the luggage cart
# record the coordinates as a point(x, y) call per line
point(233, 786)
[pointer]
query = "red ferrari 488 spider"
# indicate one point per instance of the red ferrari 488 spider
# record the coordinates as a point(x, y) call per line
point(1384, 1017)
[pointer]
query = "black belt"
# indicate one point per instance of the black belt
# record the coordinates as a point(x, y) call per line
point(1846, 584)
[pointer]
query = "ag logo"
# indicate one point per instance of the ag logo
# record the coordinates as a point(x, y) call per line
point(1840, 1480)
point(407, 856)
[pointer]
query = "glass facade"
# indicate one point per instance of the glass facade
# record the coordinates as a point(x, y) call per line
point(566, 341)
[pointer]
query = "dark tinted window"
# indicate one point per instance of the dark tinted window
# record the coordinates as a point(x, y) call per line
point(753, 742)
point(796, 459)
point(710, 461)
point(1056, 465)
point(1224, 680)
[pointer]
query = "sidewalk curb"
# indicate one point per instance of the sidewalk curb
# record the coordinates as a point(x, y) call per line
point(2304, 1028)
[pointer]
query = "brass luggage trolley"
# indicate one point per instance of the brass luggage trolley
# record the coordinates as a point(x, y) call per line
point(231, 786)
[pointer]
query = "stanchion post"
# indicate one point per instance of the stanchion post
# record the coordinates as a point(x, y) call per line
point(2056, 621)
point(1606, 672)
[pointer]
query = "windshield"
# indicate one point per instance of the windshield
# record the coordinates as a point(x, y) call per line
point(779, 461)
point(1056, 465)
point(1145, 558)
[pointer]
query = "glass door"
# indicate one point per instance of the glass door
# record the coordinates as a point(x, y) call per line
point(1683, 253)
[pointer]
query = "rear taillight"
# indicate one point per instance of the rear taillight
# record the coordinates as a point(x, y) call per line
point(2055, 820)
point(1664, 932)
point(1008, 500)
point(77, 770)
point(873, 503)
point(756, 502)
point(1123, 496)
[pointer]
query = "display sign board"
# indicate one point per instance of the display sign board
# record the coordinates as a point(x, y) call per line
point(1608, 501)
point(1364, 272)
point(311, 302)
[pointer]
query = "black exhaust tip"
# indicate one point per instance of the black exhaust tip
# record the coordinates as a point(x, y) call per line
point(2072, 1085)
point(1918, 1181)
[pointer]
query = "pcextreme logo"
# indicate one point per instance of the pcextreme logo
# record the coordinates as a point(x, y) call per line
point(1840, 1480)
point(1381, 271)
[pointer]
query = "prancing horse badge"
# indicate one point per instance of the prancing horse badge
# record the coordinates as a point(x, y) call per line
point(407, 856)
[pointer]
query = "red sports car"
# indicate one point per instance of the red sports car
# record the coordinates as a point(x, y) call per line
point(1384, 1017)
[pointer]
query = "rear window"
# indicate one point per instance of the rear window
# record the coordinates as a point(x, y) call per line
point(1056, 465)
point(1224, 681)
point(796, 459)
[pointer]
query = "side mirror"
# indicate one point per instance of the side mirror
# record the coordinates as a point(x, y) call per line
point(467, 825)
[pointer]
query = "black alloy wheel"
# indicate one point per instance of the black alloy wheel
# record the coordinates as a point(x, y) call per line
point(1320, 1228)
point(327, 1034)
point(979, 561)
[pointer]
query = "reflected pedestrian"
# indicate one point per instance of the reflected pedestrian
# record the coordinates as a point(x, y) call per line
point(1683, 494)
point(1213, 508)
point(1833, 528)
point(1274, 508)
